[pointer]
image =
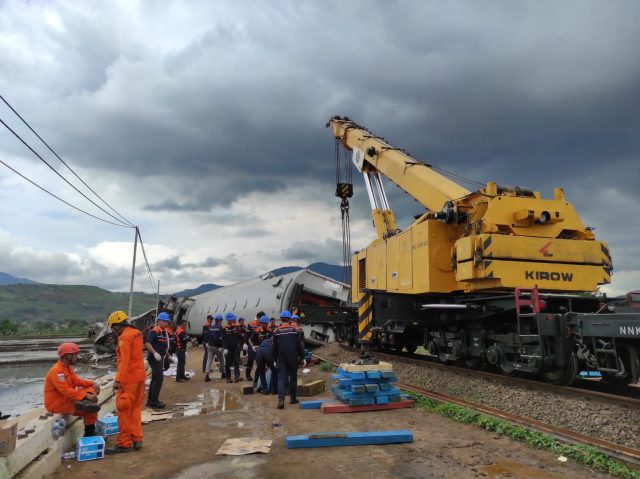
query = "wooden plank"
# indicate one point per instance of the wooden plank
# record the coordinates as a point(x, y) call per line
point(370, 388)
point(311, 388)
point(373, 375)
point(344, 382)
point(313, 404)
point(344, 395)
point(329, 439)
point(381, 366)
point(331, 408)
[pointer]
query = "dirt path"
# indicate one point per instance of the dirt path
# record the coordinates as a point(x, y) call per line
point(185, 446)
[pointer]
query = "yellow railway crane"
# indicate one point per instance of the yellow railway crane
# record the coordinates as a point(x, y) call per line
point(471, 277)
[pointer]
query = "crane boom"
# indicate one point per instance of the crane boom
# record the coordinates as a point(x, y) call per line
point(373, 154)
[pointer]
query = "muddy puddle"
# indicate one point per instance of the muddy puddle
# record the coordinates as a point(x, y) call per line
point(210, 402)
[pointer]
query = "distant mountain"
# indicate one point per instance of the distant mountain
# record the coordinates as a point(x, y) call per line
point(6, 278)
point(333, 271)
point(203, 288)
point(285, 270)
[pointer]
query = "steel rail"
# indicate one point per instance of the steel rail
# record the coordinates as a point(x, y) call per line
point(627, 401)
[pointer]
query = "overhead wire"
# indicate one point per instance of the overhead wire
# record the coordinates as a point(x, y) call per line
point(60, 199)
point(61, 176)
point(123, 222)
point(152, 278)
point(62, 161)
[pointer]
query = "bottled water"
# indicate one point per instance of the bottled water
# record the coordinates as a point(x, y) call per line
point(58, 428)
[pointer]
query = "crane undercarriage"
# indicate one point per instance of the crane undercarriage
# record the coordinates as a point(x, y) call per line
point(554, 335)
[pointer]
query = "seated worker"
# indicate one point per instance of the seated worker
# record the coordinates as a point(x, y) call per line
point(66, 393)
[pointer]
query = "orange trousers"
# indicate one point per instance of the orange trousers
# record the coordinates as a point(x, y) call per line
point(67, 407)
point(129, 400)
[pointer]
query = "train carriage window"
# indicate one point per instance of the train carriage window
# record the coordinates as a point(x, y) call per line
point(217, 306)
point(234, 305)
point(257, 303)
point(225, 307)
point(209, 310)
point(245, 303)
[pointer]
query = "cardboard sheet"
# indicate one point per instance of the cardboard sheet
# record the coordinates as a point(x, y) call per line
point(244, 445)
point(149, 415)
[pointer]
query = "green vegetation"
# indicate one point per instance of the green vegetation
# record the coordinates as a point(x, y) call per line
point(584, 454)
point(327, 367)
point(50, 308)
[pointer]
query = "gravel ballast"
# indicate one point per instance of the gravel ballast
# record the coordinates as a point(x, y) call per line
point(612, 423)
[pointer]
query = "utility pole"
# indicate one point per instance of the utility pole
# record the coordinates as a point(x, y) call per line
point(158, 299)
point(133, 270)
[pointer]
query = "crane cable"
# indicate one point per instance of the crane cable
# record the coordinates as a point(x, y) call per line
point(344, 190)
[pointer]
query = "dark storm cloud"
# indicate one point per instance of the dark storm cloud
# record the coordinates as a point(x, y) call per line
point(523, 92)
point(224, 100)
point(309, 251)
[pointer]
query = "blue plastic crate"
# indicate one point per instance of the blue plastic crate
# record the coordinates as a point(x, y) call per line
point(90, 448)
point(107, 426)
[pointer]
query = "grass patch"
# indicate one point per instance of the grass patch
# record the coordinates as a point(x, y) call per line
point(584, 454)
point(327, 367)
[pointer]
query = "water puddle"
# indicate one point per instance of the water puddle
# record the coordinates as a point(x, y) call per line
point(210, 402)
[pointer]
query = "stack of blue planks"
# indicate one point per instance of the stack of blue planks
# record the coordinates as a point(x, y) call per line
point(363, 388)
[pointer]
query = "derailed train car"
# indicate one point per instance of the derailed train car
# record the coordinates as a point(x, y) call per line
point(321, 302)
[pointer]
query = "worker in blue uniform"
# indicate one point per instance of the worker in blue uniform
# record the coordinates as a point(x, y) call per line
point(157, 345)
point(288, 351)
point(260, 342)
point(232, 342)
point(205, 330)
point(182, 339)
point(213, 343)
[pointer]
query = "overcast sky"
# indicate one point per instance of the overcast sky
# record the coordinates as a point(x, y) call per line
point(203, 123)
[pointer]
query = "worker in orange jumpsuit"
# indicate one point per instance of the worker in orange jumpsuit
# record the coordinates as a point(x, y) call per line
point(66, 393)
point(128, 383)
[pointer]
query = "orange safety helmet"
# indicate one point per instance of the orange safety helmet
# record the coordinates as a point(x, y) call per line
point(68, 348)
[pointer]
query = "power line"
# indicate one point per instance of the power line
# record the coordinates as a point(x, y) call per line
point(60, 199)
point(152, 279)
point(57, 173)
point(62, 161)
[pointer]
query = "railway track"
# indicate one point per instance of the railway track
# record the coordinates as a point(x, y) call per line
point(623, 453)
point(627, 397)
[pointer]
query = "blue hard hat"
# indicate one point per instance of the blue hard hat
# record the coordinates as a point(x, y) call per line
point(285, 314)
point(264, 319)
point(218, 317)
point(295, 316)
point(163, 317)
point(230, 317)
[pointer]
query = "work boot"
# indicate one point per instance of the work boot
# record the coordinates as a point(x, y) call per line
point(293, 401)
point(229, 380)
point(137, 445)
point(117, 449)
point(223, 375)
point(157, 405)
point(86, 405)
point(181, 380)
point(280, 403)
point(265, 392)
point(207, 378)
point(249, 378)
point(90, 430)
point(237, 380)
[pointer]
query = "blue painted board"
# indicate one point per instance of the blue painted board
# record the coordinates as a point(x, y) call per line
point(372, 387)
point(327, 439)
point(382, 399)
point(374, 374)
point(344, 395)
point(314, 404)
point(346, 382)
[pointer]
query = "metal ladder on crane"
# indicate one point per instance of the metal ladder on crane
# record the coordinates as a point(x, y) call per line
point(528, 297)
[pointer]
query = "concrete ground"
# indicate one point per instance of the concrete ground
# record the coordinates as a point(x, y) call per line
point(185, 446)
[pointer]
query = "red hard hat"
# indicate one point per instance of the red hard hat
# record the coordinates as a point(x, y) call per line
point(68, 348)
